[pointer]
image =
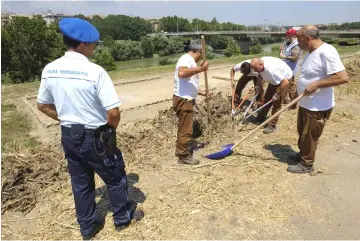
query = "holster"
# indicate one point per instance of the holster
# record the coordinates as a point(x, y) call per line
point(107, 135)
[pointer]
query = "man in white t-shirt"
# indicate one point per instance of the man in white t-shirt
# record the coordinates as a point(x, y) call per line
point(186, 89)
point(277, 73)
point(248, 74)
point(321, 70)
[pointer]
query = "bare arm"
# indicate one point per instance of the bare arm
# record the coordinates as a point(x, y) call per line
point(113, 117)
point(49, 110)
point(185, 72)
point(232, 74)
point(282, 87)
point(334, 80)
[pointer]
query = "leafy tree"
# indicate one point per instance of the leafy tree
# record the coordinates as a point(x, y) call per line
point(147, 47)
point(122, 27)
point(219, 42)
point(232, 49)
point(30, 46)
point(5, 50)
point(256, 49)
point(209, 52)
point(126, 50)
point(103, 58)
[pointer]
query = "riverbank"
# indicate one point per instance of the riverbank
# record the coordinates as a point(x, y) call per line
point(159, 70)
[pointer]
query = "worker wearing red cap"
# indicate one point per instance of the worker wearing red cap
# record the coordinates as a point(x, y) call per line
point(290, 52)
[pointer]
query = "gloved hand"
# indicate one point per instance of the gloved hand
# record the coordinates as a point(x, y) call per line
point(257, 89)
point(276, 97)
point(233, 112)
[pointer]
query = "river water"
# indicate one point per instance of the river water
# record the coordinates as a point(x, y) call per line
point(150, 62)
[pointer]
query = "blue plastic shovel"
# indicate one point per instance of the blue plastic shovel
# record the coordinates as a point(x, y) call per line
point(228, 149)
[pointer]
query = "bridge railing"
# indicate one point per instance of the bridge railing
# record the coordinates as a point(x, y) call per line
point(249, 32)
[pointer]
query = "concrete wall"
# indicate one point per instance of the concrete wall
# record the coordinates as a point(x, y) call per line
point(244, 45)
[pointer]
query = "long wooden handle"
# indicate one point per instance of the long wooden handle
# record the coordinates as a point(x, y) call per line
point(268, 120)
point(205, 75)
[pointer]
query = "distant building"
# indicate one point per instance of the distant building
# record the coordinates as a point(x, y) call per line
point(155, 24)
point(53, 17)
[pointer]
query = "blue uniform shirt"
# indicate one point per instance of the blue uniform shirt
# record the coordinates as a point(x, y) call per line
point(81, 91)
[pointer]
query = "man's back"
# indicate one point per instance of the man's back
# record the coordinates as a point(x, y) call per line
point(275, 70)
point(81, 91)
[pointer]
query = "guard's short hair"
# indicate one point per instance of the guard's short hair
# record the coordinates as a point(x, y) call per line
point(71, 43)
point(245, 68)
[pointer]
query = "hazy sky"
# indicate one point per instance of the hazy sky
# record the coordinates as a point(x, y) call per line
point(243, 12)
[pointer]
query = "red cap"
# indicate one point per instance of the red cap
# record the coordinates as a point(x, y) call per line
point(291, 32)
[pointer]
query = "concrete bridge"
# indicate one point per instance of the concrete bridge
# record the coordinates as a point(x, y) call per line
point(258, 34)
point(242, 38)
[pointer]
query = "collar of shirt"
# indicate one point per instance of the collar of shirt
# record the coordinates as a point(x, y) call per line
point(75, 55)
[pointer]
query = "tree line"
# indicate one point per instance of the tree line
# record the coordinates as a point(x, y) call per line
point(175, 24)
point(29, 44)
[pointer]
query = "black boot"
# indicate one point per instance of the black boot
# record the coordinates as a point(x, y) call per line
point(136, 216)
point(98, 226)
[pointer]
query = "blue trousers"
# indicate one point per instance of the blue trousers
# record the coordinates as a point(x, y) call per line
point(83, 160)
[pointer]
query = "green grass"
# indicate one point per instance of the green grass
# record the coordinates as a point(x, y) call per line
point(347, 49)
point(168, 68)
point(15, 128)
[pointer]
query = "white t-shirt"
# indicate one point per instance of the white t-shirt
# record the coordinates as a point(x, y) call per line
point(186, 87)
point(252, 72)
point(275, 70)
point(81, 91)
point(318, 65)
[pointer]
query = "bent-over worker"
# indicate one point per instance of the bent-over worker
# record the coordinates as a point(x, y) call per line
point(186, 89)
point(277, 73)
point(248, 74)
point(321, 70)
point(81, 95)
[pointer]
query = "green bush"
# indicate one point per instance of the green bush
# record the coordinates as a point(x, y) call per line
point(257, 49)
point(275, 48)
point(103, 58)
point(147, 47)
point(209, 52)
point(232, 49)
point(166, 61)
point(126, 50)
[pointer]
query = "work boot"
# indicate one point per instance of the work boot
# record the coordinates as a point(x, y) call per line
point(136, 216)
point(300, 168)
point(190, 160)
point(98, 226)
point(269, 129)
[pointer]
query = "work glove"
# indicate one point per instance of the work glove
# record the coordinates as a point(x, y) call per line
point(257, 89)
point(233, 112)
point(276, 97)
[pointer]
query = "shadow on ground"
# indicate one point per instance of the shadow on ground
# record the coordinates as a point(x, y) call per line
point(281, 152)
point(135, 194)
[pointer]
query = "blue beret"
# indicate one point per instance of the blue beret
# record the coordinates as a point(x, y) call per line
point(79, 29)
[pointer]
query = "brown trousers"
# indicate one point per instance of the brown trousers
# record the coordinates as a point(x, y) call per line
point(292, 93)
point(243, 81)
point(185, 112)
point(310, 125)
point(276, 105)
